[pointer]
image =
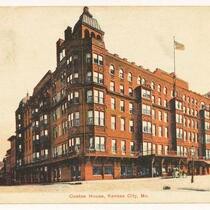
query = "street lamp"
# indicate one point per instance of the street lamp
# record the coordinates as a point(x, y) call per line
point(192, 154)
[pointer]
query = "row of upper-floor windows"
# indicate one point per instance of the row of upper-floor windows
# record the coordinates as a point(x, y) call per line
point(98, 143)
point(186, 151)
point(159, 131)
point(191, 136)
point(122, 105)
point(121, 89)
point(149, 148)
point(72, 144)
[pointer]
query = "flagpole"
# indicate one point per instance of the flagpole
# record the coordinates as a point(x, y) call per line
point(174, 85)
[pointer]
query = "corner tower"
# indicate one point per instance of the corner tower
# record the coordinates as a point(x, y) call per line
point(87, 26)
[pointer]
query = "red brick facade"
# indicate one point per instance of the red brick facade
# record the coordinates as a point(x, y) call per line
point(98, 116)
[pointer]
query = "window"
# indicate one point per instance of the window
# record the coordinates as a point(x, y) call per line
point(121, 89)
point(62, 54)
point(112, 86)
point(98, 118)
point(153, 99)
point(130, 92)
point(99, 143)
point(165, 117)
point(121, 74)
point(122, 124)
point(89, 76)
point(88, 58)
point(111, 69)
point(73, 78)
point(97, 170)
point(131, 126)
point(152, 85)
point(108, 170)
point(159, 131)
point(159, 88)
point(114, 146)
point(147, 148)
point(100, 60)
point(165, 103)
point(159, 101)
point(122, 106)
point(185, 136)
point(159, 149)
point(178, 105)
point(179, 133)
point(113, 103)
point(97, 59)
point(165, 90)
point(113, 122)
point(89, 96)
point(207, 138)
point(166, 132)
point(178, 118)
point(98, 97)
point(129, 77)
point(143, 82)
point(207, 126)
point(73, 97)
point(153, 114)
point(123, 147)
point(146, 109)
point(132, 147)
point(138, 80)
point(146, 94)
point(207, 115)
point(74, 119)
point(131, 109)
point(98, 78)
point(159, 115)
point(153, 130)
point(90, 117)
point(146, 127)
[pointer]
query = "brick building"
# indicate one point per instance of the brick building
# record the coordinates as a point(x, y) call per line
point(98, 116)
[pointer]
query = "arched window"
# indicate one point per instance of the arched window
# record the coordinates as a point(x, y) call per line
point(165, 90)
point(87, 34)
point(143, 81)
point(159, 88)
point(130, 91)
point(129, 77)
point(93, 35)
point(152, 85)
point(111, 69)
point(138, 80)
point(121, 74)
point(98, 37)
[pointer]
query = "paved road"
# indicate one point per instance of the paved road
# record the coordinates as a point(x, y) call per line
point(144, 190)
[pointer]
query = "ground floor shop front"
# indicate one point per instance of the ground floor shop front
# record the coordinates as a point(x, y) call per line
point(91, 168)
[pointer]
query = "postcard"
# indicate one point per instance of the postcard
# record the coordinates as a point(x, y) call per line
point(104, 104)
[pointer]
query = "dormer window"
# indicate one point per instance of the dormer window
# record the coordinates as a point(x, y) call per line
point(111, 69)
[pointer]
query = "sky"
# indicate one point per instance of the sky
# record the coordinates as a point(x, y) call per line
point(140, 34)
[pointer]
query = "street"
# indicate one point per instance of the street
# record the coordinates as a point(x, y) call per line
point(144, 190)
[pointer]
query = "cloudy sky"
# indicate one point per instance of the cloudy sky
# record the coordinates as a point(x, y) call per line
point(141, 34)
